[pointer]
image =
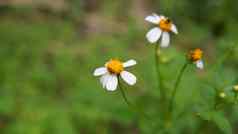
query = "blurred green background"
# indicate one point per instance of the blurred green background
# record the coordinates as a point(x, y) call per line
point(50, 48)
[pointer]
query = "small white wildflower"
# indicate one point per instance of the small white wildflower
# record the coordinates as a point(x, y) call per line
point(112, 70)
point(195, 56)
point(162, 29)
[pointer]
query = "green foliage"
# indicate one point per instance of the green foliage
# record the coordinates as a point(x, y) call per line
point(219, 119)
point(47, 61)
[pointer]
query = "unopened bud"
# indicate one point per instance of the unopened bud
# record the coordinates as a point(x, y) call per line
point(222, 95)
point(235, 88)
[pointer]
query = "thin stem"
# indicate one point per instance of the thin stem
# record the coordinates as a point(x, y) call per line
point(130, 105)
point(159, 76)
point(178, 80)
point(157, 64)
point(236, 96)
point(216, 98)
point(221, 61)
point(124, 94)
point(228, 53)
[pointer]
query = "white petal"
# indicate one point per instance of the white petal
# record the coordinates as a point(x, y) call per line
point(174, 29)
point(100, 71)
point(104, 79)
point(162, 17)
point(165, 39)
point(200, 64)
point(128, 77)
point(153, 35)
point(129, 63)
point(112, 82)
point(154, 18)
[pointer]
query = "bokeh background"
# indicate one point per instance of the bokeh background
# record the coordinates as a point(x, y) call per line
point(50, 48)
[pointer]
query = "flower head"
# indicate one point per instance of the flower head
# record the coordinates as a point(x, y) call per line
point(112, 70)
point(222, 95)
point(235, 88)
point(163, 27)
point(195, 56)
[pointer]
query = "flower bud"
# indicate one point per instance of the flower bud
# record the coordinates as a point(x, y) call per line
point(222, 95)
point(235, 88)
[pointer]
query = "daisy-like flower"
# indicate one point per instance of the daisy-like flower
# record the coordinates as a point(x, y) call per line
point(163, 27)
point(195, 56)
point(112, 70)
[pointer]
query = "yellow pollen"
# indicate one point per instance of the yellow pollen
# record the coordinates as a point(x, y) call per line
point(195, 55)
point(165, 25)
point(114, 66)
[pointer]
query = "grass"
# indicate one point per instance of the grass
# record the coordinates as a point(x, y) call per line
point(47, 84)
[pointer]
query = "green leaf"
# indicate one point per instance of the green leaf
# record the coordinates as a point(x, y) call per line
point(205, 115)
point(219, 119)
point(222, 123)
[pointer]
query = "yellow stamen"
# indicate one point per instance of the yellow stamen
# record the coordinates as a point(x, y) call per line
point(195, 55)
point(165, 25)
point(114, 66)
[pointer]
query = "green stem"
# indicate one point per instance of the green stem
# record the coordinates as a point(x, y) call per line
point(216, 98)
point(159, 76)
point(123, 94)
point(130, 105)
point(221, 60)
point(236, 96)
point(175, 90)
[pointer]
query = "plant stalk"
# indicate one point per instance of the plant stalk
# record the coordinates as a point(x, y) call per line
point(130, 105)
point(177, 82)
point(158, 73)
point(123, 94)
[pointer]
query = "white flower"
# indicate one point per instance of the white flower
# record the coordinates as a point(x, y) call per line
point(199, 64)
point(195, 56)
point(162, 29)
point(112, 70)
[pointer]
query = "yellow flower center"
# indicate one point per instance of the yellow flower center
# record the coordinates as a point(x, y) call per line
point(165, 25)
point(114, 66)
point(195, 55)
